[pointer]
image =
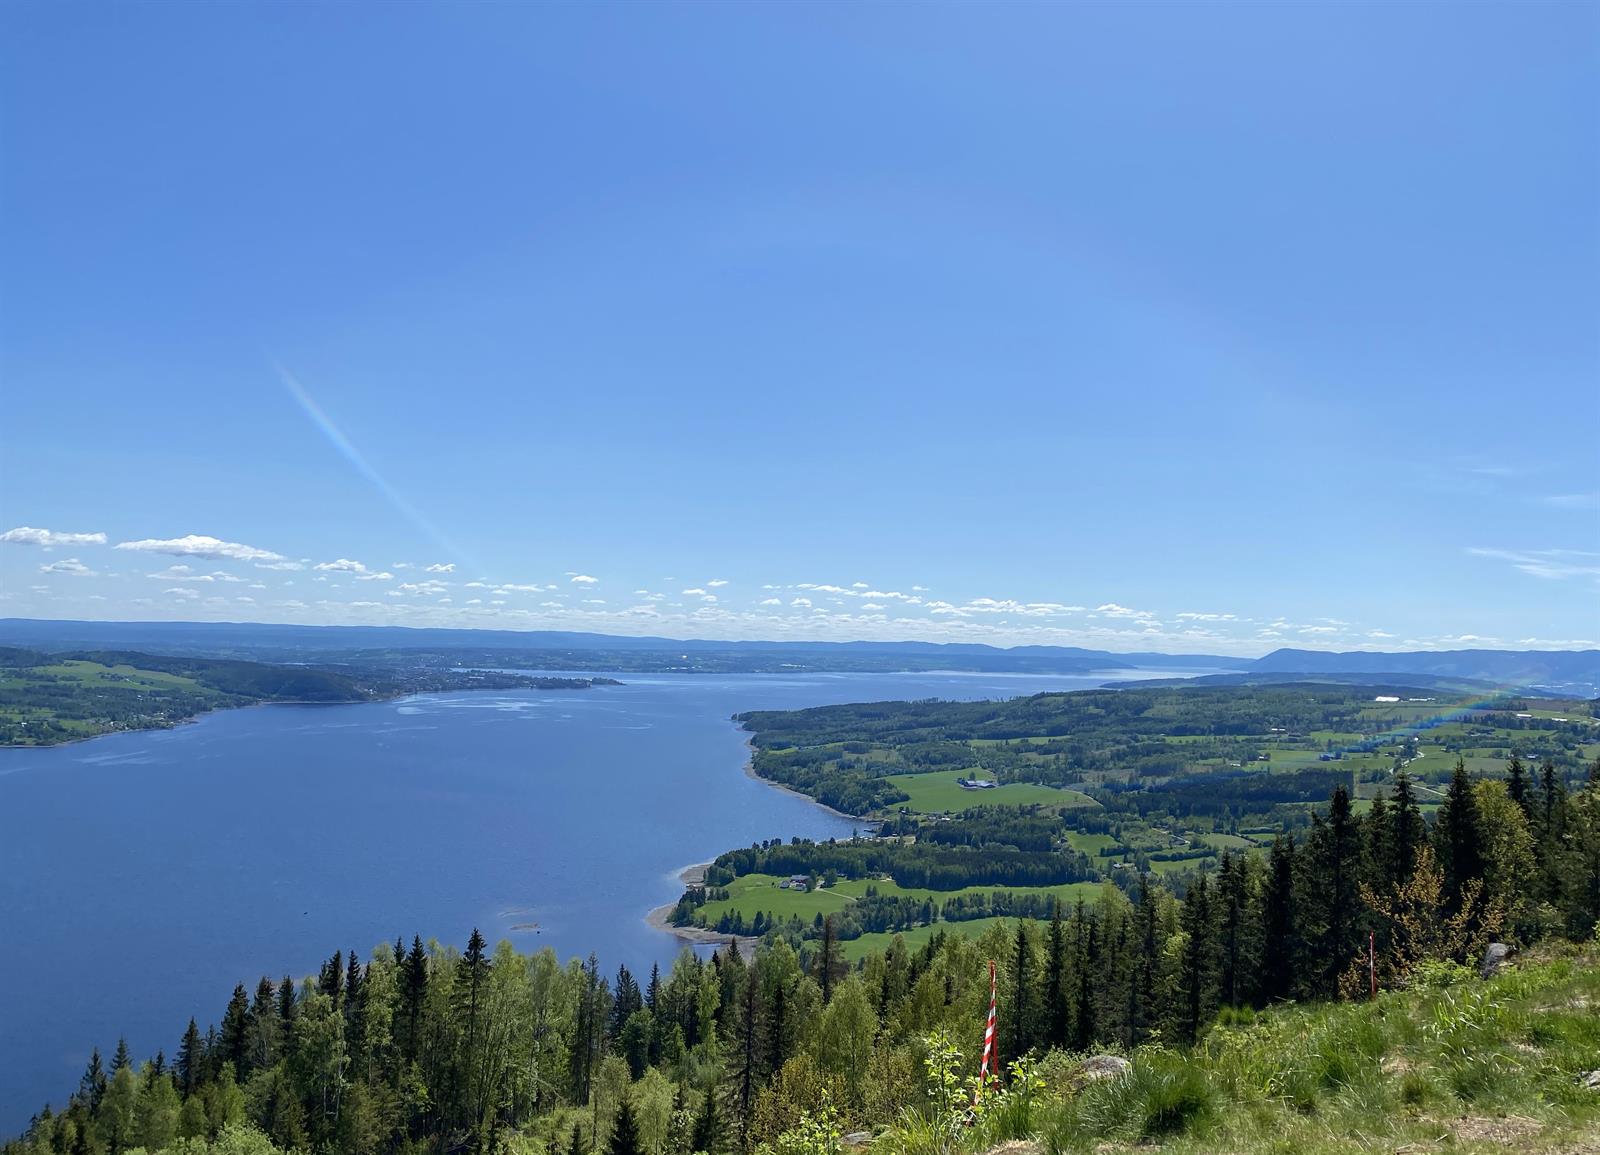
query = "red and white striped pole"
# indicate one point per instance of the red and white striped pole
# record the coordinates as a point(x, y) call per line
point(984, 1072)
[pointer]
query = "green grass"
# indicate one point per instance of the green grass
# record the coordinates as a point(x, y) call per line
point(938, 793)
point(1091, 844)
point(1471, 1067)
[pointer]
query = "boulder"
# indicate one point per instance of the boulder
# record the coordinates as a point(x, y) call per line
point(1104, 1067)
point(856, 1140)
point(1494, 957)
point(1590, 1079)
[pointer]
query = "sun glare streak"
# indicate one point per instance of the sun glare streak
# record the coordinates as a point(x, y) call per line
point(350, 453)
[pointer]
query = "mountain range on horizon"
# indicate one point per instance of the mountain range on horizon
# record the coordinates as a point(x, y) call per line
point(1567, 669)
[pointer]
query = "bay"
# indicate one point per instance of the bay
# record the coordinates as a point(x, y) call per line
point(143, 874)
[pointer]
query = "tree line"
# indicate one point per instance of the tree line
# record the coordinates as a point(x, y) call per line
point(429, 1049)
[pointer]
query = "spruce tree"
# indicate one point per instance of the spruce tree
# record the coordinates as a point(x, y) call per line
point(1057, 1012)
point(1198, 980)
point(235, 1042)
point(1458, 838)
point(120, 1058)
point(1331, 883)
point(830, 959)
point(1409, 831)
point(1279, 923)
point(1517, 786)
point(1022, 1015)
point(191, 1063)
point(1238, 945)
point(625, 1132)
point(708, 1127)
point(92, 1087)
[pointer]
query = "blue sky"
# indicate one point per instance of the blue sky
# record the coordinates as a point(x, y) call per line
point(1200, 327)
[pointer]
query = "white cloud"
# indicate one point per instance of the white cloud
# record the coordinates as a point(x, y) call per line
point(715, 582)
point(584, 579)
point(199, 545)
point(182, 592)
point(1113, 610)
point(381, 576)
point(442, 567)
point(800, 603)
point(285, 564)
point(28, 535)
point(694, 592)
point(69, 565)
point(771, 601)
point(1192, 616)
point(509, 588)
point(343, 565)
point(424, 587)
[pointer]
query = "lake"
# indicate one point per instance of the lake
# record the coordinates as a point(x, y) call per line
point(142, 875)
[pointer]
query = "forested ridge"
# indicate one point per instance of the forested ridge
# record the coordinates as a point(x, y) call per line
point(426, 1048)
point(51, 698)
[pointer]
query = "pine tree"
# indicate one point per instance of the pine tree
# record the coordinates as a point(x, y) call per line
point(120, 1058)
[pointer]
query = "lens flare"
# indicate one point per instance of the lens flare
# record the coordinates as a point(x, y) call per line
point(350, 453)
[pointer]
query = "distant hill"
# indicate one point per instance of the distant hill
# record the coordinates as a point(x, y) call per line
point(263, 641)
point(1576, 670)
point(1566, 671)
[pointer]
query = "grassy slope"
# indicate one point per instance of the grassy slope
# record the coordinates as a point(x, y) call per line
point(1469, 1067)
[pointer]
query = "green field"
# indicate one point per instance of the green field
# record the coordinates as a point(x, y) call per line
point(752, 894)
point(858, 948)
point(939, 794)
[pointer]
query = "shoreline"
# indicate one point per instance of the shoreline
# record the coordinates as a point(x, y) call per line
point(661, 918)
point(209, 711)
point(750, 772)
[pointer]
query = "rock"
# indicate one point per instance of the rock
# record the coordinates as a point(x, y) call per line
point(855, 1140)
point(1494, 957)
point(1590, 1079)
point(1105, 1067)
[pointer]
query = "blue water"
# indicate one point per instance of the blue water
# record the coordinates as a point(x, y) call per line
point(142, 875)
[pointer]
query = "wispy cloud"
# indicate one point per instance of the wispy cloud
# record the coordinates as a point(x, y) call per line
point(1582, 502)
point(1551, 564)
point(583, 579)
point(442, 567)
point(69, 565)
point(28, 535)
